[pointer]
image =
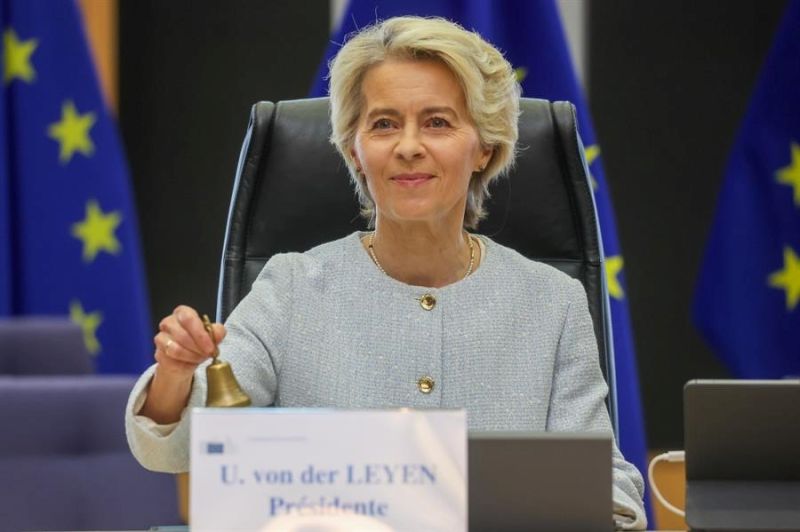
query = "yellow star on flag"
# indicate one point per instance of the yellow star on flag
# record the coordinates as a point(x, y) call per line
point(72, 132)
point(788, 278)
point(17, 57)
point(592, 152)
point(88, 324)
point(614, 265)
point(96, 231)
point(520, 73)
point(790, 175)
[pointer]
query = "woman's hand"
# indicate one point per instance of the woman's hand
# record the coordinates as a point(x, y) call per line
point(182, 344)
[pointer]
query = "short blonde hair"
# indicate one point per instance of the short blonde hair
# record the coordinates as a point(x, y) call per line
point(490, 89)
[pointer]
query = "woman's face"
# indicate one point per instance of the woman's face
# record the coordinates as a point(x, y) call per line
point(416, 143)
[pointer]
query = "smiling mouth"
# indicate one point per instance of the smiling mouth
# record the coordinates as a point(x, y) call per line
point(411, 180)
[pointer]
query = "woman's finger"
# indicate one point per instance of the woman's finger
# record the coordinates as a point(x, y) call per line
point(219, 331)
point(172, 364)
point(190, 321)
point(174, 349)
point(176, 332)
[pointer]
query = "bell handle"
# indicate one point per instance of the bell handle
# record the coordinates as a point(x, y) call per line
point(210, 330)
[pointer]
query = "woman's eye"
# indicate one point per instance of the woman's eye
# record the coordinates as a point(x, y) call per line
point(438, 122)
point(382, 123)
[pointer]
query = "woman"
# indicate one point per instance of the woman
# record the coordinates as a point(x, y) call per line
point(418, 312)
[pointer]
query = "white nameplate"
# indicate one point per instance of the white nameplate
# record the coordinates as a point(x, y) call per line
point(322, 469)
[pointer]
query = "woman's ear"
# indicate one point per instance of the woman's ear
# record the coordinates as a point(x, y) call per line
point(356, 161)
point(486, 156)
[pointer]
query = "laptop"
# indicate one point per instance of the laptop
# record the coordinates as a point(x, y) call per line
point(540, 481)
point(742, 443)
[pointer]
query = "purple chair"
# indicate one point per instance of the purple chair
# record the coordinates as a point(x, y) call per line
point(42, 346)
point(65, 462)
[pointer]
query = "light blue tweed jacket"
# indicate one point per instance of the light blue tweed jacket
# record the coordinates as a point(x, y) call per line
point(512, 343)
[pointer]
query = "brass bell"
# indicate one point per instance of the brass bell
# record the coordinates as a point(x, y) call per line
point(223, 388)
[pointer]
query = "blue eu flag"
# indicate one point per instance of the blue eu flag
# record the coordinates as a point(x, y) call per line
point(747, 302)
point(68, 230)
point(530, 34)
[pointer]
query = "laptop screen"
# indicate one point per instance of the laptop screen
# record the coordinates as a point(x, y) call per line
point(540, 481)
point(742, 430)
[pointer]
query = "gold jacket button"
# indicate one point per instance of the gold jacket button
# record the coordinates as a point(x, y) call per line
point(427, 302)
point(425, 384)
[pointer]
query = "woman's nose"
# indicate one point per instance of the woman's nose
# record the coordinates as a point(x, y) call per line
point(410, 146)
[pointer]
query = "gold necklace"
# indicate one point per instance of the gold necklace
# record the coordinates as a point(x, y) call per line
point(378, 264)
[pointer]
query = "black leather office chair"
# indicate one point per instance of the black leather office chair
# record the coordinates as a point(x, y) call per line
point(292, 192)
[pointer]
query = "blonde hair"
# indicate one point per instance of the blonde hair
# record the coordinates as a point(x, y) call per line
point(490, 89)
